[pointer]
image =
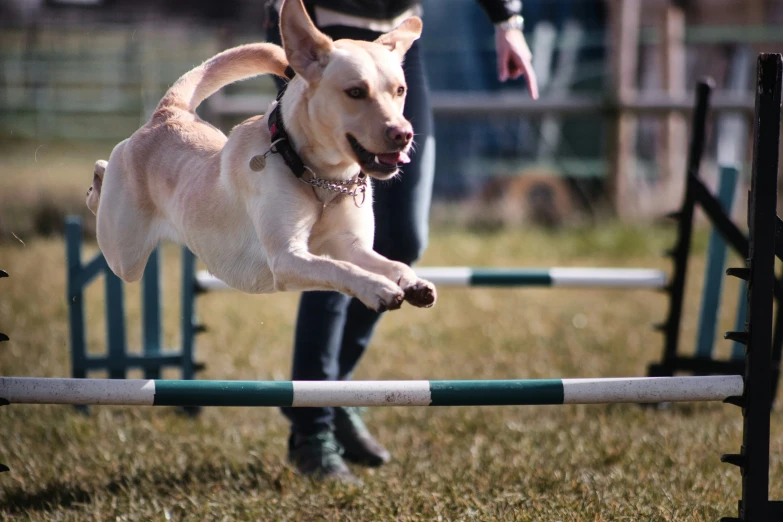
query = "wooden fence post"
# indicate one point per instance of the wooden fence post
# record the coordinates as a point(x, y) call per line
point(674, 140)
point(624, 29)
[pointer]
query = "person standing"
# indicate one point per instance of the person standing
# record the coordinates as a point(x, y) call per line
point(333, 330)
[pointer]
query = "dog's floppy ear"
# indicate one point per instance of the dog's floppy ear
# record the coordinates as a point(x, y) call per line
point(400, 39)
point(306, 48)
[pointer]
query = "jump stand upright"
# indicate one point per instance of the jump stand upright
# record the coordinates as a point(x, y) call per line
point(3, 338)
point(702, 361)
point(759, 272)
point(116, 360)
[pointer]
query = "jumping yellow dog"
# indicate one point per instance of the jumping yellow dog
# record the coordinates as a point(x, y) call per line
point(284, 202)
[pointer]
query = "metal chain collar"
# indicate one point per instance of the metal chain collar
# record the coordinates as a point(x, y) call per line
point(341, 186)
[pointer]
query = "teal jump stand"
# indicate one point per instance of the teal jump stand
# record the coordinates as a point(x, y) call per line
point(116, 360)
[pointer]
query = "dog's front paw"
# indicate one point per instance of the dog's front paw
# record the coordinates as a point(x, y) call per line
point(383, 296)
point(422, 294)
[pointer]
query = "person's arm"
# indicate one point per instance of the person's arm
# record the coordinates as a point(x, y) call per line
point(513, 55)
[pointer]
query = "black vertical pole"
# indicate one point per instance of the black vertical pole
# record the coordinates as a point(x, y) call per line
point(115, 325)
point(75, 297)
point(681, 250)
point(151, 312)
point(188, 319)
point(3, 402)
point(777, 342)
point(762, 217)
point(758, 371)
point(3, 337)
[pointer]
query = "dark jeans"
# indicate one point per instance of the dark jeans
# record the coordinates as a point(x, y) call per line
point(333, 329)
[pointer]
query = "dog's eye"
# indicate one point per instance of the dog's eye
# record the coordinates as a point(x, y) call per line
point(400, 90)
point(356, 93)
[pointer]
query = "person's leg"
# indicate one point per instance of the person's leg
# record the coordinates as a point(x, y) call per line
point(312, 445)
point(317, 339)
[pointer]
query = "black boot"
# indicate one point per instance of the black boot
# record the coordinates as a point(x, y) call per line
point(358, 445)
point(319, 455)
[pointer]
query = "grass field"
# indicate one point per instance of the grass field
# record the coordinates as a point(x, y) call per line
point(558, 463)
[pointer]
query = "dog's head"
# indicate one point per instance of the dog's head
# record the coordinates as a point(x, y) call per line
point(355, 91)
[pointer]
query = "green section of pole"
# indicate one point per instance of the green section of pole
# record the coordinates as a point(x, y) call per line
point(223, 393)
point(502, 277)
point(496, 393)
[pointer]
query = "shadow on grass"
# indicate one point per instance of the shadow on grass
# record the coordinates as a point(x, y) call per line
point(60, 494)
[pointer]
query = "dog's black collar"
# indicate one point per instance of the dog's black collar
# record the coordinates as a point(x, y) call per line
point(281, 142)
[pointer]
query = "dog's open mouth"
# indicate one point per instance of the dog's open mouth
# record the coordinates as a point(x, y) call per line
point(383, 163)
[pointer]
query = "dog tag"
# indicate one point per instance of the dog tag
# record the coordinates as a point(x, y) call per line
point(257, 163)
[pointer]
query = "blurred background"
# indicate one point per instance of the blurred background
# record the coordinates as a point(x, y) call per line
point(608, 139)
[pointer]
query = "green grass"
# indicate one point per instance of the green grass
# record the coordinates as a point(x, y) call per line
point(596, 463)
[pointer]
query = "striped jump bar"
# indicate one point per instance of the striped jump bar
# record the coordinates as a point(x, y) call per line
point(27, 390)
point(562, 277)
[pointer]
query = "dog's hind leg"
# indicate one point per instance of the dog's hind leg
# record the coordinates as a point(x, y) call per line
point(94, 192)
point(126, 244)
point(127, 232)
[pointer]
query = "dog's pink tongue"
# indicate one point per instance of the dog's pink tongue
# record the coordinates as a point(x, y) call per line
point(393, 158)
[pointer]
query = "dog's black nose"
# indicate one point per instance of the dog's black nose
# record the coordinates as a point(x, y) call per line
point(401, 135)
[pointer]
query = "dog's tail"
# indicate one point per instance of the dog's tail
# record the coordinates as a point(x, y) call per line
point(237, 63)
point(94, 192)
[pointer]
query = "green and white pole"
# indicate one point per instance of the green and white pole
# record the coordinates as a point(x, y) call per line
point(152, 392)
point(526, 277)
